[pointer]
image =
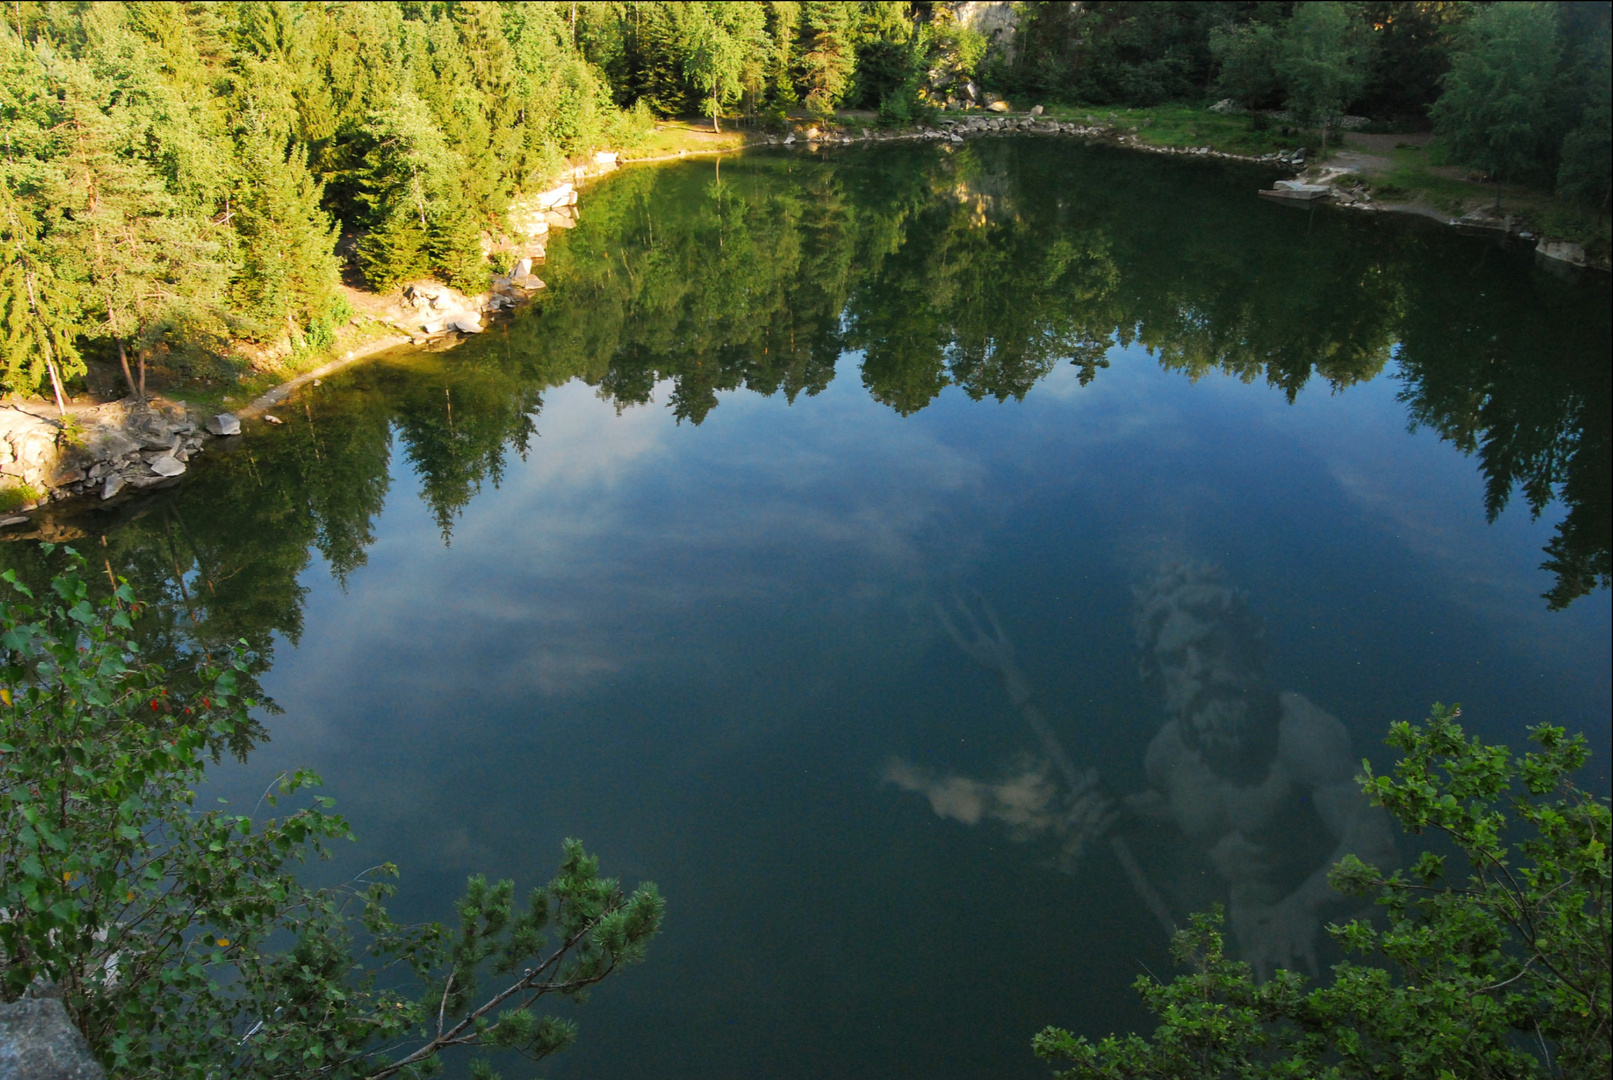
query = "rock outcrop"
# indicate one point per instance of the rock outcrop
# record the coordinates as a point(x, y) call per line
point(99, 451)
point(39, 1042)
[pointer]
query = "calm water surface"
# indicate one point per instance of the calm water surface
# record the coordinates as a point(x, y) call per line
point(658, 565)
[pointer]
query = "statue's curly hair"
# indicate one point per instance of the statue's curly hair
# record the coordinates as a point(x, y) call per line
point(1199, 590)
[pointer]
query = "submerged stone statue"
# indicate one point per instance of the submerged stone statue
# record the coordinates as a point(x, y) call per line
point(1250, 793)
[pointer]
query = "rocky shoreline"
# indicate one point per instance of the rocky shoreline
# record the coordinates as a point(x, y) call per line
point(102, 451)
point(113, 451)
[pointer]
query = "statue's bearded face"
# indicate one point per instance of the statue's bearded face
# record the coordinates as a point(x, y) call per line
point(1212, 683)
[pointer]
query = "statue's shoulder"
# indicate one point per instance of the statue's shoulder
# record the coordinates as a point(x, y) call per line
point(1311, 742)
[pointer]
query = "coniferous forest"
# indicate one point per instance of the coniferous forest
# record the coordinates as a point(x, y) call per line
point(179, 177)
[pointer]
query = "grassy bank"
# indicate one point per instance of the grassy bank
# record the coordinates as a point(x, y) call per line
point(1183, 126)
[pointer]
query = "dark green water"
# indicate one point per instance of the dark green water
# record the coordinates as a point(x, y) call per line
point(657, 565)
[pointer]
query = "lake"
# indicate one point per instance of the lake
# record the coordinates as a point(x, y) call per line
point(687, 560)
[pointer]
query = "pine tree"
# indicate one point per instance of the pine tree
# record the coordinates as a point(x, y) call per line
point(155, 269)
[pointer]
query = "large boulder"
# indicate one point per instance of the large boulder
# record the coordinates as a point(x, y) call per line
point(998, 106)
point(555, 197)
point(168, 465)
point(1562, 251)
point(224, 424)
point(39, 1042)
point(108, 443)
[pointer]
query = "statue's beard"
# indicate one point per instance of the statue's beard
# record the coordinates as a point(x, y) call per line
point(1232, 728)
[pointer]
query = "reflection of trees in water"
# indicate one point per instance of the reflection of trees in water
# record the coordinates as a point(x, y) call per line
point(1525, 385)
point(983, 268)
point(987, 267)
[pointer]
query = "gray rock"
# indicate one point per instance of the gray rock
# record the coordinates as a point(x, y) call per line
point(224, 424)
point(110, 443)
point(168, 465)
point(6, 523)
point(1562, 251)
point(1036, 110)
point(467, 324)
point(38, 1042)
point(112, 485)
point(523, 267)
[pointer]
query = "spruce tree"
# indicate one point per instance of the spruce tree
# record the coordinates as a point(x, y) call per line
point(827, 55)
point(289, 276)
point(394, 251)
point(38, 305)
point(37, 328)
point(454, 244)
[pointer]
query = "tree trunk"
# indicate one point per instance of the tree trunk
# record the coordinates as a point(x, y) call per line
point(141, 360)
point(123, 358)
point(55, 383)
point(44, 340)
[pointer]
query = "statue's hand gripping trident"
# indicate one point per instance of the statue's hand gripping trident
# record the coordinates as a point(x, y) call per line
point(1090, 811)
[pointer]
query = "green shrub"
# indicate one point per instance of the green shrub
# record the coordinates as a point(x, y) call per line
point(1479, 974)
point(180, 939)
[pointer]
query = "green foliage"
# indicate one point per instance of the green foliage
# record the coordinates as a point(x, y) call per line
point(1481, 974)
point(826, 53)
point(288, 273)
point(394, 251)
point(716, 60)
point(1495, 113)
point(1408, 56)
point(1248, 55)
point(1320, 61)
point(181, 940)
point(1586, 174)
point(454, 244)
point(16, 496)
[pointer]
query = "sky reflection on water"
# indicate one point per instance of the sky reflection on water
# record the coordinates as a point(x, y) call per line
point(698, 647)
